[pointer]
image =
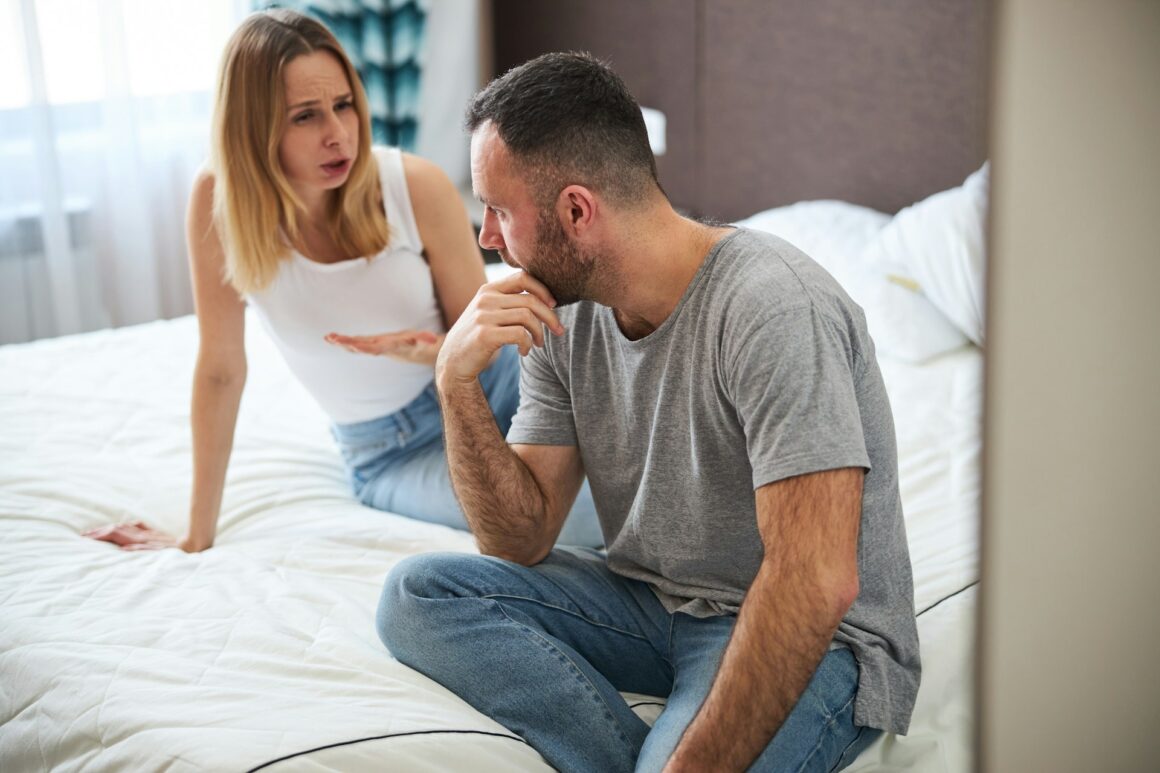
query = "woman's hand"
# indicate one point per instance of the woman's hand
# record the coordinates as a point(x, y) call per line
point(418, 346)
point(139, 536)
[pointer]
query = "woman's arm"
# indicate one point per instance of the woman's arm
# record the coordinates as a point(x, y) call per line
point(220, 373)
point(448, 238)
point(218, 378)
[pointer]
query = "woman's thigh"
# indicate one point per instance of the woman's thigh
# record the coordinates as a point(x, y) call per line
point(418, 486)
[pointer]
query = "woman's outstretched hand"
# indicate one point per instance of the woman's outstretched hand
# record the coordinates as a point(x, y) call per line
point(138, 536)
point(417, 346)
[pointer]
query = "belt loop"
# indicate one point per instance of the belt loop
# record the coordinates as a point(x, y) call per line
point(405, 425)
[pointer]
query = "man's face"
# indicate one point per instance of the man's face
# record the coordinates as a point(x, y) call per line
point(524, 234)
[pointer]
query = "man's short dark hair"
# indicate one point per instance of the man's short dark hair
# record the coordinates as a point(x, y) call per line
point(568, 119)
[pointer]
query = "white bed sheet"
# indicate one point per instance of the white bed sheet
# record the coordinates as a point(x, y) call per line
point(256, 652)
point(260, 648)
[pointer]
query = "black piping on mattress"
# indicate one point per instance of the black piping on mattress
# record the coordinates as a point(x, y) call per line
point(380, 737)
point(948, 598)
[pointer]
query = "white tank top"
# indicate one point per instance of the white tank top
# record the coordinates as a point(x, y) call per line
point(385, 293)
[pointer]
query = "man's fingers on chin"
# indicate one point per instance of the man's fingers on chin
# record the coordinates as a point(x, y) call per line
point(522, 281)
point(538, 289)
point(543, 312)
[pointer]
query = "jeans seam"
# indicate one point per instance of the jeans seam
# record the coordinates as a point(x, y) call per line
point(577, 615)
point(563, 657)
point(846, 751)
point(669, 643)
point(829, 724)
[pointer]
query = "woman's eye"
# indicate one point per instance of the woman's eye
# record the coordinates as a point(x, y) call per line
point(303, 117)
point(343, 105)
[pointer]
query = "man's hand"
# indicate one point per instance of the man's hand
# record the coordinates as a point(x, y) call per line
point(511, 310)
point(502, 498)
point(418, 346)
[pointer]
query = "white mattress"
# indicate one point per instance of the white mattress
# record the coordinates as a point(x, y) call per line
point(257, 652)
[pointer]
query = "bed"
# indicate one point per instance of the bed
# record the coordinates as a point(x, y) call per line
point(261, 653)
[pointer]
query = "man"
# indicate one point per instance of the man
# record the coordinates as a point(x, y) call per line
point(721, 393)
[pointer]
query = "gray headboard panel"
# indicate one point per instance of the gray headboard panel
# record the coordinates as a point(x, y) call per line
point(774, 101)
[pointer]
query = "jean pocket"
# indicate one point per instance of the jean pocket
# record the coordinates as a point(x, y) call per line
point(371, 451)
point(834, 685)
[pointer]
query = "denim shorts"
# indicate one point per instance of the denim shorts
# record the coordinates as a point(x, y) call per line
point(398, 463)
point(370, 449)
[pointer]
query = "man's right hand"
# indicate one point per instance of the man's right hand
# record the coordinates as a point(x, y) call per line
point(511, 310)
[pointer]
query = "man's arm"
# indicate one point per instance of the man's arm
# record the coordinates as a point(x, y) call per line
point(515, 499)
point(807, 581)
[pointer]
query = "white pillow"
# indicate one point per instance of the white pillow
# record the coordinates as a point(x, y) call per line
point(831, 232)
point(904, 324)
point(937, 247)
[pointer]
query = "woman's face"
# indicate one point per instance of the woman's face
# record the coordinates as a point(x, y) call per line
point(320, 141)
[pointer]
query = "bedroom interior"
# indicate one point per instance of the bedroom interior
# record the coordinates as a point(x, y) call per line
point(872, 138)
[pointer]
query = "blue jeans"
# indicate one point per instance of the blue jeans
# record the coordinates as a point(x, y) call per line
point(398, 463)
point(545, 650)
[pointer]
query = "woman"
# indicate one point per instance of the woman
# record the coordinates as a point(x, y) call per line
point(300, 217)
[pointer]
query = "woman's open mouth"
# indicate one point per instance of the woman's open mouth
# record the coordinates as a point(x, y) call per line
point(336, 168)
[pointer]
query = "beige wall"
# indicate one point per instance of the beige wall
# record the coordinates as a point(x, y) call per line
point(1070, 643)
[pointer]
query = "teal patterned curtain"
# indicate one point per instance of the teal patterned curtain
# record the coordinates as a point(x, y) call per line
point(384, 40)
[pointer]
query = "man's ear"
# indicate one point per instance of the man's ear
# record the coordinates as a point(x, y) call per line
point(576, 208)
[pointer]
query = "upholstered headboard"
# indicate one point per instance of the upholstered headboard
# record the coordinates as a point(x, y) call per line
point(774, 101)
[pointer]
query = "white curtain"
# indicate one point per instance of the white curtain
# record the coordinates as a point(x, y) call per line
point(452, 71)
point(104, 122)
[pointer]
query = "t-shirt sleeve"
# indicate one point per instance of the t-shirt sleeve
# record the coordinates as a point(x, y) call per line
point(793, 384)
point(545, 414)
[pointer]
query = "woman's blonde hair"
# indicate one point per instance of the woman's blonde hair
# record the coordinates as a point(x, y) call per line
point(255, 209)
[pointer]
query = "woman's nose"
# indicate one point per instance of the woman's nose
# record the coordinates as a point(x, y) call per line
point(336, 132)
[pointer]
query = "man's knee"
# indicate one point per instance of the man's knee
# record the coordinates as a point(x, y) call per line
point(403, 617)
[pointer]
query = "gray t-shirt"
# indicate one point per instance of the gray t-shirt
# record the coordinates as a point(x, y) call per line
point(763, 371)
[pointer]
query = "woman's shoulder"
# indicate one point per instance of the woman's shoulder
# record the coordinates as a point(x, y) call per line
point(426, 181)
point(417, 171)
point(201, 192)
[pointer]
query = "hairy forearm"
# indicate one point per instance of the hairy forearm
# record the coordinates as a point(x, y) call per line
point(213, 416)
point(776, 645)
point(503, 504)
point(806, 583)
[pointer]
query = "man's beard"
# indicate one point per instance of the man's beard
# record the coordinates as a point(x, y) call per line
point(562, 266)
